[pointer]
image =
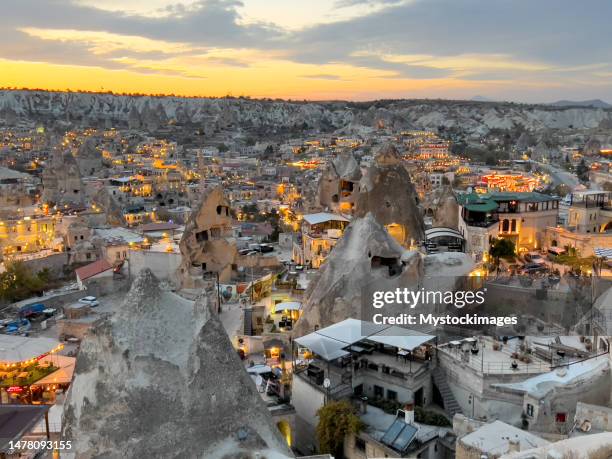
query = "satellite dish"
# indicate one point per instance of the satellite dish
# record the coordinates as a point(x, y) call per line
point(258, 380)
point(326, 383)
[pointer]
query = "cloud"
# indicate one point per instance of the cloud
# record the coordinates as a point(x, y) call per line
point(526, 42)
point(322, 76)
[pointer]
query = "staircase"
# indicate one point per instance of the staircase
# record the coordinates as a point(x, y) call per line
point(450, 403)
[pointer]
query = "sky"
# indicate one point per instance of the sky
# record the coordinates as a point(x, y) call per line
point(519, 50)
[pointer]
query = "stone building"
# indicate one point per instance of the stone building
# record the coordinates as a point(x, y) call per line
point(339, 184)
point(208, 245)
point(62, 180)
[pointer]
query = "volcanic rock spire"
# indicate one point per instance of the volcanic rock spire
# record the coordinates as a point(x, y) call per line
point(160, 378)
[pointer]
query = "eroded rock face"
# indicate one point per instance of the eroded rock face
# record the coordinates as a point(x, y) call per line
point(207, 244)
point(339, 183)
point(368, 259)
point(160, 379)
point(62, 180)
point(388, 193)
point(134, 120)
point(365, 255)
point(441, 204)
point(112, 210)
point(89, 158)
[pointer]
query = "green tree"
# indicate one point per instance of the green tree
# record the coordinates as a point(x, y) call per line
point(336, 421)
point(18, 282)
point(582, 171)
point(501, 248)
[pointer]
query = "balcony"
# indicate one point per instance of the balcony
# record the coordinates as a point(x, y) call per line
point(482, 223)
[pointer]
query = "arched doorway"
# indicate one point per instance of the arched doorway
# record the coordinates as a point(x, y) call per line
point(397, 231)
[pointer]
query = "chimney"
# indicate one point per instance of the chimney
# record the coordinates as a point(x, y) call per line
point(364, 405)
point(409, 413)
point(514, 445)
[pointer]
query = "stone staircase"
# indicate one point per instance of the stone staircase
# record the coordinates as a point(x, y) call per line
point(450, 403)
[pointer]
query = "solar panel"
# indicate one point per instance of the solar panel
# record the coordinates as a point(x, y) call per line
point(392, 432)
point(399, 435)
point(405, 437)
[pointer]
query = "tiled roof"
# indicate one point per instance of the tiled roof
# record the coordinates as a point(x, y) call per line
point(90, 270)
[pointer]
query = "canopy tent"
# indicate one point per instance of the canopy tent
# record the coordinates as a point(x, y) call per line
point(287, 306)
point(400, 337)
point(331, 342)
point(15, 349)
point(327, 348)
point(350, 331)
point(61, 376)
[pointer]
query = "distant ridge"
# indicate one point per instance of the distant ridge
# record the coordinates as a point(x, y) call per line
point(594, 103)
point(481, 99)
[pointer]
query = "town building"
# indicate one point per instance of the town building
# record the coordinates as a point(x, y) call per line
point(519, 217)
point(319, 234)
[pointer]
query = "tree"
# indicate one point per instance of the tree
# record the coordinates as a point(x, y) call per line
point(501, 248)
point(582, 171)
point(561, 190)
point(607, 186)
point(336, 421)
point(18, 282)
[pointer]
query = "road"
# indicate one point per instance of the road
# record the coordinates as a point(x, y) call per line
point(559, 175)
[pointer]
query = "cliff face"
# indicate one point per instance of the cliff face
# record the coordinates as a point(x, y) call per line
point(366, 254)
point(387, 192)
point(207, 244)
point(368, 259)
point(441, 204)
point(476, 118)
point(61, 180)
point(338, 184)
point(160, 379)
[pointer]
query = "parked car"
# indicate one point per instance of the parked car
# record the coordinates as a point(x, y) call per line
point(90, 301)
point(531, 268)
point(266, 248)
point(535, 258)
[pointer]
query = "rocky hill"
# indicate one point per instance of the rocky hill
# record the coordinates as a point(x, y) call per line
point(160, 379)
point(151, 113)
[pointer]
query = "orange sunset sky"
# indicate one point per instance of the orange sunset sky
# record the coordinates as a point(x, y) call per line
point(320, 49)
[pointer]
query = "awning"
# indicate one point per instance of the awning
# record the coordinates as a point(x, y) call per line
point(18, 420)
point(350, 331)
point(327, 348)
point(487, 206)
point(287, 306)
point(603, 253)
point(442, 232)
point(400, 337)
point(61, 376)
point(14, 349)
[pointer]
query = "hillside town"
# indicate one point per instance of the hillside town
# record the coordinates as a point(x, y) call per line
point(194, 278)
